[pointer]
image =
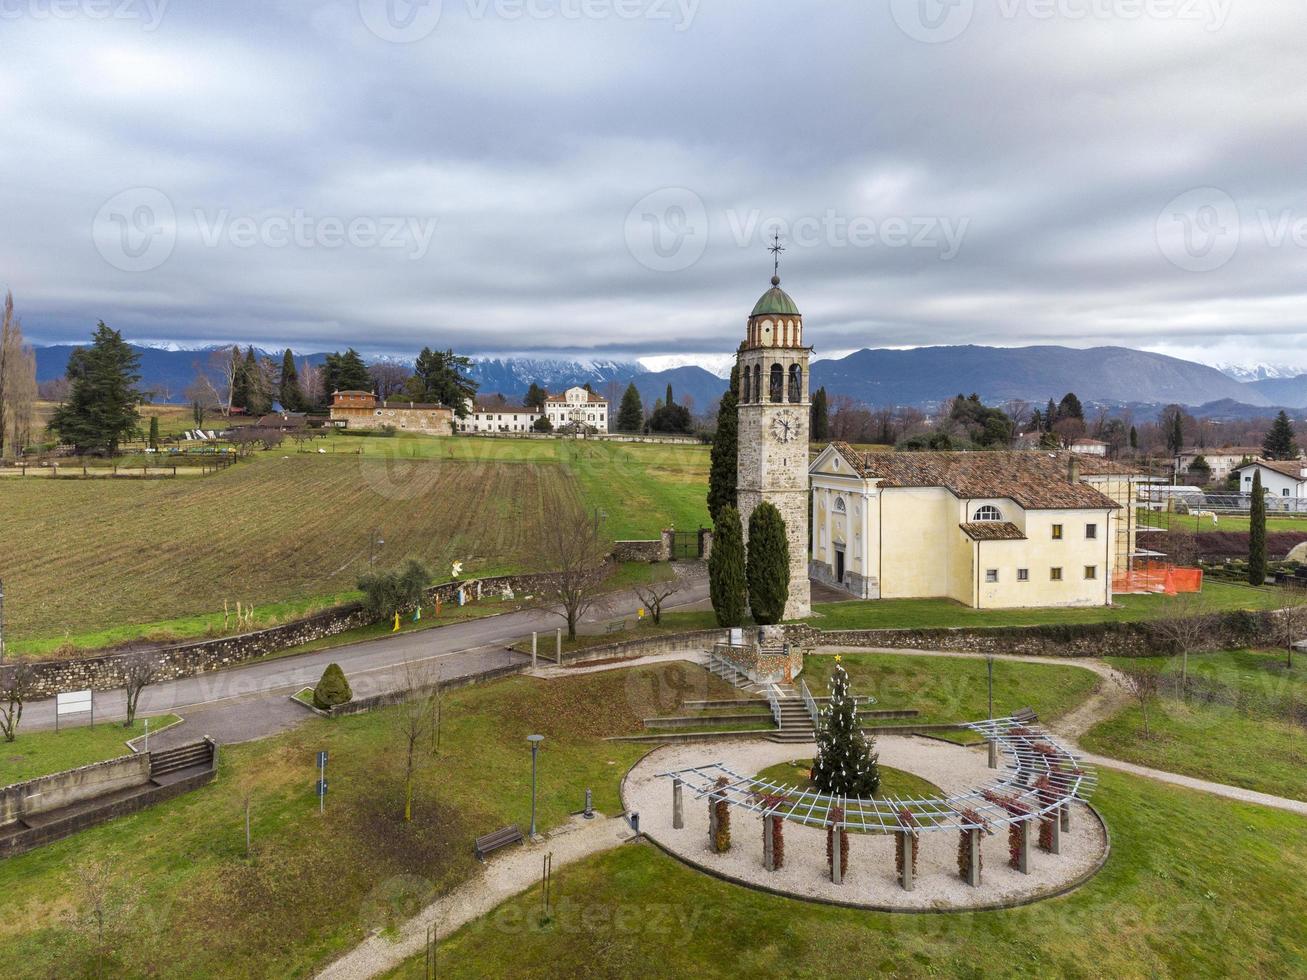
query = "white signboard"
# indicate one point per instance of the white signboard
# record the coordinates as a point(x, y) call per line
point(73, 703)
point(737, 636)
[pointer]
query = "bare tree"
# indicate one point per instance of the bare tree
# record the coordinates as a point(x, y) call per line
point(245, 787)
point(224, 363)
point(18, 387)
point(16, 686)
point(103, 907)
point(575, 552)
point(1290, 621)
point(311, 384)
point(656, 594)
point(1141, 684)
point(388, 378)
point(1186, 631)
point(418, 722)
point(139, 672)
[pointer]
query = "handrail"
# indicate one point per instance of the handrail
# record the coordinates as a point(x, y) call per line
point(775, 704)
point(813, 711)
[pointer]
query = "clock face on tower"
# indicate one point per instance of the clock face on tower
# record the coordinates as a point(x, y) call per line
point(785, 426)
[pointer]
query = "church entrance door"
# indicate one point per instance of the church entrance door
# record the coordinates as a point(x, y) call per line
point(839, 565)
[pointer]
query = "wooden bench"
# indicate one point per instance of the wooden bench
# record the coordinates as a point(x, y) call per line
point(616, 627)
point(1025, 716)
point(500, 838)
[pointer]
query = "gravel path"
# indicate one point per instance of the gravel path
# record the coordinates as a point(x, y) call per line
point(507, 873)
point(871, 878)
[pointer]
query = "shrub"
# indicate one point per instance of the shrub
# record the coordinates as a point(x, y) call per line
point(332, 689)
point(965, 843)
point(395, 591)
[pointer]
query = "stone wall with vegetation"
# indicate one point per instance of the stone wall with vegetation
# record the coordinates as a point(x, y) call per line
point(47, 793)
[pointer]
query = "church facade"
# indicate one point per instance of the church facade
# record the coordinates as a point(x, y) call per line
point(774, 418)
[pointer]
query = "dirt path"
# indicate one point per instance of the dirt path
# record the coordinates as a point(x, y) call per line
point(509, 873)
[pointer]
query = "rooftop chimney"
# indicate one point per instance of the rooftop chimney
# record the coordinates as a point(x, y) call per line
point(1073, 469)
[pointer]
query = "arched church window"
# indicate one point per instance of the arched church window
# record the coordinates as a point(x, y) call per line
point(757, 382)
point(988, 513)
point(796, 384)
point(748, 383)
point(840, 508)
point(777, 383)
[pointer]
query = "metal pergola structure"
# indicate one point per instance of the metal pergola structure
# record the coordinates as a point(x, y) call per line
point(1040, 777)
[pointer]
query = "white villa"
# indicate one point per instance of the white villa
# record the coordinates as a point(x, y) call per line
point(578, 408)
point(490, 417)
point(991, 530)
point(1280, 478)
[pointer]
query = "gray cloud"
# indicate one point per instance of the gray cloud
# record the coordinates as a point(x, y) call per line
point(476, 186)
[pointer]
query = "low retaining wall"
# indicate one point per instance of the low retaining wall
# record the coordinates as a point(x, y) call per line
point(360, 705)
point(47, 793)
point(647, 647)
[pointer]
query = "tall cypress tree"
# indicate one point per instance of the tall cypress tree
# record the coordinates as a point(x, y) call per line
point(846, 762)
point(1279, 442)
point(101, 408)
point(820, 416)
point(630, 417)
point(1257, 533)
point(154, 432)
point(670, 399)
point(767, 568)
point(723, 474)
point(288, 391)
point(726, 581)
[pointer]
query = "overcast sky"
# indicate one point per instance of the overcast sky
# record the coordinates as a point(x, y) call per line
point(601, 176)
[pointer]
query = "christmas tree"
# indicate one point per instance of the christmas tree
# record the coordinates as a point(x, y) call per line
point(846, 763)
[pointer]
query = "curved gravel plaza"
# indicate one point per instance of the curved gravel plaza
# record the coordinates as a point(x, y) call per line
point(869, 880)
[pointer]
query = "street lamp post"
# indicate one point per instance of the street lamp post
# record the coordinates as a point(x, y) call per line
point(2, 621)
point(535, 741)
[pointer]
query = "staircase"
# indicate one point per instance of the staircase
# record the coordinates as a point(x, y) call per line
point(172, 765)
point(796, 724)
point(728, 672)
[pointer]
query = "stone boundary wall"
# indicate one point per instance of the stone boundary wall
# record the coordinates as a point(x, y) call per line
point(1135, 639)
point(45, 793)
point(361, 705)
point(106, 672)
point(650, 551)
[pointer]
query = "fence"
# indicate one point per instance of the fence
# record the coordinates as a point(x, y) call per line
point(55, 471)
point(1158, 577)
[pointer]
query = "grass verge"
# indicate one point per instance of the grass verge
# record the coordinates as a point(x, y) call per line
point(35, 754)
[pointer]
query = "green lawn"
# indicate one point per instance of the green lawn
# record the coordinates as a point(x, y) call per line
point(893, 782)
point(936, 613)
point(1195, 886)
point(316, 886)
point(951, 689)
point(1224, 522)
point(35, 754)
point(1246, 738)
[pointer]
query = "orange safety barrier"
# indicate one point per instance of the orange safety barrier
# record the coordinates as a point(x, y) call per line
point(1158, 577)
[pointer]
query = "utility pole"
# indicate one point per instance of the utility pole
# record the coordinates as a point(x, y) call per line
point(2, 621)
point(535, 741)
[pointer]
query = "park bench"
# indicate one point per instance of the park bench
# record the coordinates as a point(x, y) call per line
point(500, 838)
point(616, 627)
point(1025, 716)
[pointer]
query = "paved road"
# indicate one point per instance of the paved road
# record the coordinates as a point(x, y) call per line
point(250, 702)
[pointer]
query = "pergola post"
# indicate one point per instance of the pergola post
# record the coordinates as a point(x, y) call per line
point(768, 842)
point(836, 875)
point(993, 753)
point(535, 639)
point(1065, 817)
point(1024, 862)
point(904, 844)
point(712, 821)
point(678, 805)
point(1055, 833)
point(973, 859)
point(558, 646)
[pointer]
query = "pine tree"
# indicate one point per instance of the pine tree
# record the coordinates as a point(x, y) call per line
point(670, 399)
point(288, 391)
point(438, 376)
point(1050, 416)
point(630, 417)
point(1134, 438)
point(846, 762)
point(258, 400)
point(1279, 442)
point(1257, 533)
point(767, 568)
point(723, 473)
point(101, 408)
point(726, 581)
point(535, 397)
point(1070, 407)
point(820, 416)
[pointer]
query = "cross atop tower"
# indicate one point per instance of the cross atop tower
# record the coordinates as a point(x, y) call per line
point(776, 248)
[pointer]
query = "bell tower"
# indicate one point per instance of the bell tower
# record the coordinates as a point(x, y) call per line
point(774, 422)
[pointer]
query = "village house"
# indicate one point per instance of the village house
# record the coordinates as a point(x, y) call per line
point(991, 530)
point(1284, 479)
point(577, 410)
point(363, 410)
point(1089, 447)
point(1222, 461)
point(490, 417)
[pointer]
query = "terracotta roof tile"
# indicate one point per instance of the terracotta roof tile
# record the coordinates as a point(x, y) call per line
point(1034, 480)
point(993, 531)
point(1294, 469)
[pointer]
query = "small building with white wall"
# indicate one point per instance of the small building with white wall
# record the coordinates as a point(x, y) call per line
point(1280, 478)
point(489, 417)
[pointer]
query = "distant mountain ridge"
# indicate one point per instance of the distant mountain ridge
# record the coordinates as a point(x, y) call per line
point(921, 376)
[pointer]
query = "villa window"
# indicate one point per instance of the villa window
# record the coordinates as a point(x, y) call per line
point(987, 513)
point(1055, 574)
point(1091, 531)
point(991, 575)
point(1091, 572)
point(1057, 532)
point(777, 383)
point(796, 384)
point(1023, 575)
